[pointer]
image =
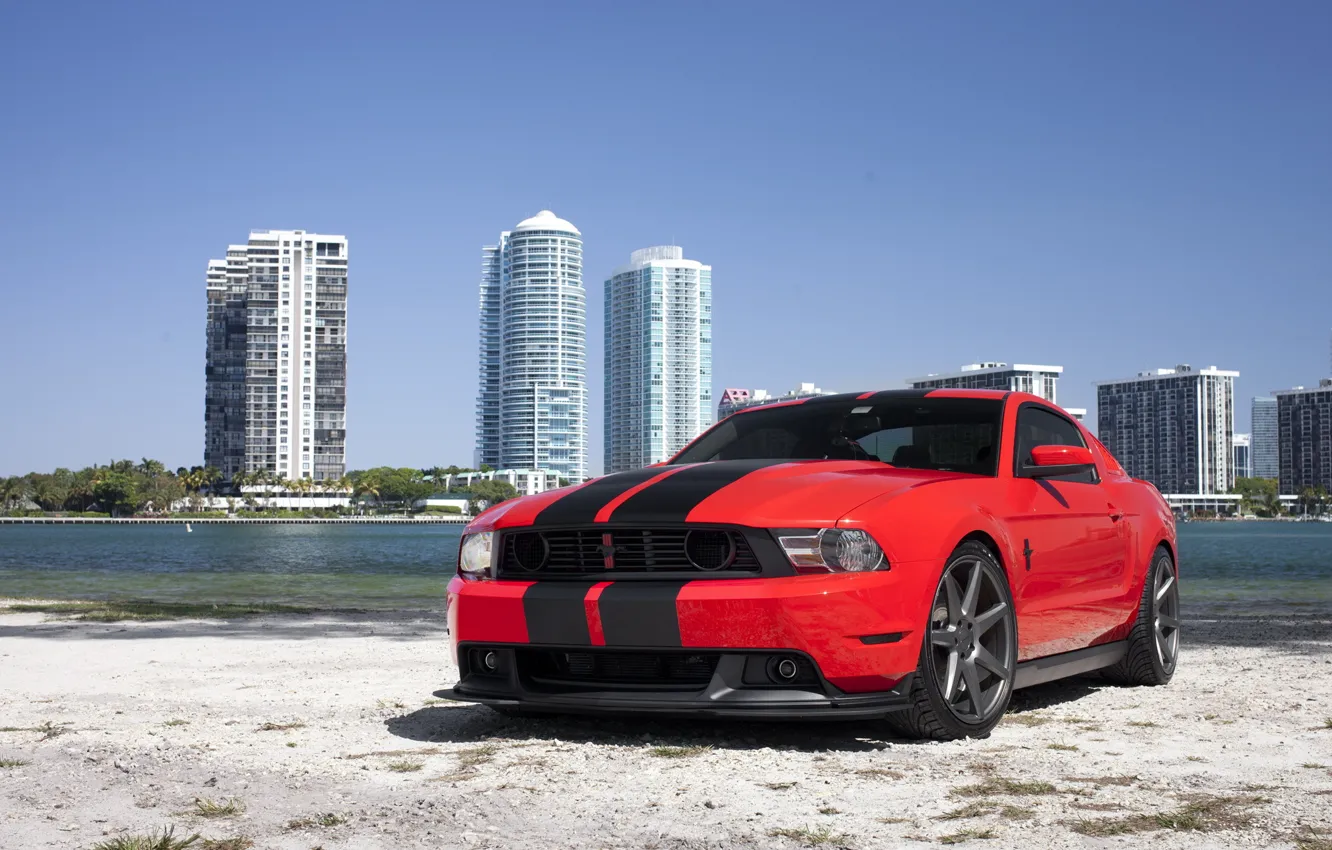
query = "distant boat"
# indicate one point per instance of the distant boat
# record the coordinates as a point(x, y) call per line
point(187, 527)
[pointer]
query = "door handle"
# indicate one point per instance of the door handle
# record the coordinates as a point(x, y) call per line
point(1115, 514)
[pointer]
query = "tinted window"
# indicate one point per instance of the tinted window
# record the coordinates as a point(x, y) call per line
point(1037, 426)
point(959, 435)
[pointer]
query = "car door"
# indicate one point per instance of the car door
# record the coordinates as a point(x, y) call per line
point(1074, 545)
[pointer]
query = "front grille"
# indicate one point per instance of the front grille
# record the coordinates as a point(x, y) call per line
point(639, 550)
point(612, 670)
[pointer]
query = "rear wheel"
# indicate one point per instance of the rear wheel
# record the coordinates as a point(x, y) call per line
point(965, 677)
point(1153, 642)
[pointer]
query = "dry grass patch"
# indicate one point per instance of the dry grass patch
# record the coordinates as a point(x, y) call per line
point(980, 808)
point(1313, 765)
point(808, 836)
point(893, 820)
point(405, 766)
point(423, 751)
point(1122, 781)
point(238, 842)
point(1202, 814)
point(8, 763)
point(166, 840)
point(830, 810)
point(280, 727)
point(966, 835)
point(1144, 724)
point(879, 773)
point(778, 786)
point(473, 757)
point(176, 721)
point(1066, 748)
point(679, 752)
point(1027, 719)
point(1327, 722)
point(325, 819)
point(230, 807)
point(1002, 785)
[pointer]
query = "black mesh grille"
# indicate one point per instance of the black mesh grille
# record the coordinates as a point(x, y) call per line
point(611, 669)
point(639, 550)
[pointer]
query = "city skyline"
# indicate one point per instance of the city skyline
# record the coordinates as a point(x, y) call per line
point(853, 175)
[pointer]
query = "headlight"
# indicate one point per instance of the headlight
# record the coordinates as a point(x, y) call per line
point(823, 550)
point(477, 554)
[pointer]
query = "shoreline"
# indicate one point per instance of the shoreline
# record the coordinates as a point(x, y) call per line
point(363, 520)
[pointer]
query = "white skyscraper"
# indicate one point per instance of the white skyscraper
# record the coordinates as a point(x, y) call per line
point(276, 377)
point(658, 357)
point(531, 411)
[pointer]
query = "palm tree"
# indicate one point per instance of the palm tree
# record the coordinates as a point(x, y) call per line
point(368, 486)
point(151, 467)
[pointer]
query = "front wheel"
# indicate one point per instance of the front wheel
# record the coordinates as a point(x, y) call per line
point(1153, 642)
point(969, 653)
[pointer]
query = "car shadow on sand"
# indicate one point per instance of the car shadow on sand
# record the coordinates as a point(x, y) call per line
point(466, 723)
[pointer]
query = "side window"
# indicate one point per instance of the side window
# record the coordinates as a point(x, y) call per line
point(1039, 427)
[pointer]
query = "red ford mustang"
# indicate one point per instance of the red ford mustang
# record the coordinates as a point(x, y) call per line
point(907, 555)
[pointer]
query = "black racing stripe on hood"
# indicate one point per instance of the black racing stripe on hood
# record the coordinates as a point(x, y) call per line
point(671, 499)
point(581, 505)
point(640, 613)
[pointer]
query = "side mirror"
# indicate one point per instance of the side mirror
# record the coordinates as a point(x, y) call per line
point(1051, 461)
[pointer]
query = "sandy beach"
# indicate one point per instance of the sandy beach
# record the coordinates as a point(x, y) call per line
point(309, 731)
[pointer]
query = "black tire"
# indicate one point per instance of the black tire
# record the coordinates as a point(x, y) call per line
point(956, 635)
point(1153, 642)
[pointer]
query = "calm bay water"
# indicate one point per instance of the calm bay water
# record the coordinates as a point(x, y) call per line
point(407, 566)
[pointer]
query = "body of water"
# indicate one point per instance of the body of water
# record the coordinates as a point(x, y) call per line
point(408, 566)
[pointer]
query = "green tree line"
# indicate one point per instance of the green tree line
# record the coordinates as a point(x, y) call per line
point(124, 487)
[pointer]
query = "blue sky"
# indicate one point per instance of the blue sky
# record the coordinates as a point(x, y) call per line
point(883, 190)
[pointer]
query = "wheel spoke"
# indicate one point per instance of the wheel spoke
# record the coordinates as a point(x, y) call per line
point(973, 685)
point(951, 677)
point(943, 637)
point(1165, 621)
point(954, 599)
point(987, 660)
point(1164, 587)
point(990, 618)
point(973, 589)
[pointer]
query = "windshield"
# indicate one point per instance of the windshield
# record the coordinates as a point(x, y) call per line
point(954, 434)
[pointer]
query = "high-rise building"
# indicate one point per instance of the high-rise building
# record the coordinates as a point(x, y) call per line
point(658, 357)
point(276, 363)
point(531, 411)
point(1304, 435)
point(733, 400)
point(993, 375)
point(1243, 459)
point(1263, 438)
point(1172, 427)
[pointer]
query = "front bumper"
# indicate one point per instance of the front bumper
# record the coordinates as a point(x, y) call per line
point(862, 633)
point(732, 690)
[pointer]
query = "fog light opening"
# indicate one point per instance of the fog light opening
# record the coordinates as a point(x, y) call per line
point(785, 670)
point(491, 661)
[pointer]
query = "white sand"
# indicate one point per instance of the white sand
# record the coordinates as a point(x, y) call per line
point(1243, 718)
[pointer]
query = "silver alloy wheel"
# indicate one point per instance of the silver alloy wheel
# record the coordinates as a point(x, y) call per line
point(1165, 614)
point(973, 652)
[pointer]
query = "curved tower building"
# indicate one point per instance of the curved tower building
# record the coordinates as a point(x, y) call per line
point(532, 406)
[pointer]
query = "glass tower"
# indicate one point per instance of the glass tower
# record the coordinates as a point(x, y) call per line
point(531, 410)
point(658, 357)
point(1263, 440)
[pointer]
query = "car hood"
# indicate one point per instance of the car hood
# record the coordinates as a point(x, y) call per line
point(770, 494)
